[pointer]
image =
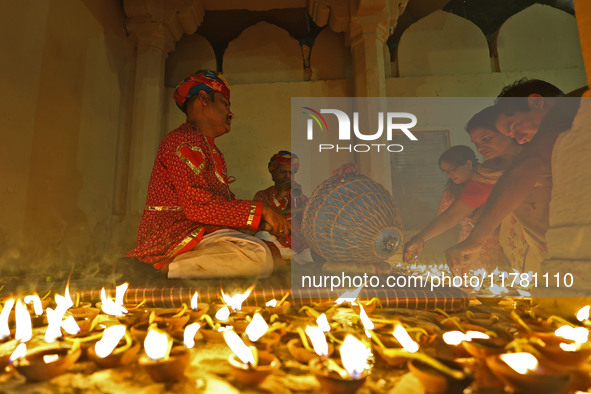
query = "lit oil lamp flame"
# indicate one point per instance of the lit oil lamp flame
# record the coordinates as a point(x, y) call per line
point(4, 328)
point(457, 337)
point(520, 362)
point(235, 301)
point(111, 337)
point(367, 323)
point(54, 325)
point(272, 303)
point(194, 301)
point(70, 326)
point(578, 335)
point(36, 301)
point(355, 356)
point(454, 337)
point(120, 293)
point(54, 317)
point(111, 307)
point(64, 302)
point(318, 340)
point(322, 322)
point(50, 358)
point(24, 328)
point(189, 334)
point(256, 328)
point(583, 313)
point(223, 313)
point(349, 296)
point(404, 339)
point(157, 344)
point(19, 352)
point(244, 353)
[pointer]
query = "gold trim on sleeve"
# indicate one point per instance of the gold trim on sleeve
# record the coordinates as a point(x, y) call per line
point(162, 208)
point(253, 210)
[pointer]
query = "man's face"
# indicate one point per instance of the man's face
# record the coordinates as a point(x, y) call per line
point(282, 176)
point(219, 114)
point(522, 126)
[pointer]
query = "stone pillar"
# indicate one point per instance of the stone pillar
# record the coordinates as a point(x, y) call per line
point(156, 25)
point(146, 125)
point(368, 36)
point(570, 207)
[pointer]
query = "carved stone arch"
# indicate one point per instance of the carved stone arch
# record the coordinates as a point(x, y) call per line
point(443, 44)
point(539, 37)
point(263, 53)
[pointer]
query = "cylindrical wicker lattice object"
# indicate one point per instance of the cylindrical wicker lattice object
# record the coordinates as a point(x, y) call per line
point(352, 219)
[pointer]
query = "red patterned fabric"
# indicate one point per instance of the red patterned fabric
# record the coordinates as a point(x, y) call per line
point(475, 193)
point(188, 196)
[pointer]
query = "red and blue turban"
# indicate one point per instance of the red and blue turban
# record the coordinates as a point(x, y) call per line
point(284, 157)
point(206, 80)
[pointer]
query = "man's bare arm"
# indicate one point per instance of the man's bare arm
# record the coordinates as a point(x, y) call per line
point(515, 184)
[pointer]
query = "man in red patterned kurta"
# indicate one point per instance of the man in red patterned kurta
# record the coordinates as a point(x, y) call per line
point(191, 223)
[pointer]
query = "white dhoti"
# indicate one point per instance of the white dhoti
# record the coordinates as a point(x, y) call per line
point(224, 253)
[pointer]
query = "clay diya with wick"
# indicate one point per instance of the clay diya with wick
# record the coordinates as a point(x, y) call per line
point(400, 346)
point(382, 351)
point(348, 375)
point(567, 349)
point(532, 325)
point(482, 319)
point(211, 331)
point(197, 309)
point(85, 338)
point(383, 328)
point(45, 364)
point(301, 350)
point(174, 317)
point(368, 306)
point(84, 317)
point(314, 314)
point(280, 307)
point(259, 334)
point(140, 330)
point(523, 374)
point(114, 349)
point(482, 348)
point(249, 367)
point(136, 313)
point(36, 307)
point(234, 303)
point(162, 361)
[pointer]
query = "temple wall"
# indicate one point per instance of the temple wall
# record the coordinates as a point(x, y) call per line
point(68, 89)
point(66, 75)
